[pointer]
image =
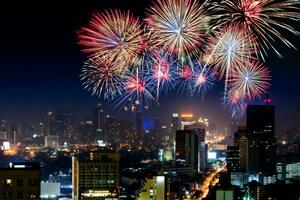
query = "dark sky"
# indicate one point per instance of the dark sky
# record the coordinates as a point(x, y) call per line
point(40, 64)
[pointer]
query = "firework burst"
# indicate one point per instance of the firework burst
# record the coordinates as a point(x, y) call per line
point(235, 103)
point(114, 37)
point(180, 25)
point(202, 80)
point(264, 18)
point(252, 79)
point(228, 50)
point(101, 80)
point(137, 92)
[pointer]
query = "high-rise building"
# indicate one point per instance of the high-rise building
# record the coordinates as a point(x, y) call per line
point(98, 118)
point(175, 122)
point(202, 146)
point(97, 177)
point(187, 148)
point(233, 158)
point(111, 130)
point(20, 181)
point(244, 153)
point(241, 141)
point(139, 123)
point(262, 144)
point(153, 188)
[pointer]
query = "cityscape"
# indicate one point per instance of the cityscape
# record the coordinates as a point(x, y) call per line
point(150, 100)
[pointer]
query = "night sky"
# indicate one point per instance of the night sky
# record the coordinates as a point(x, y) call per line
point(40, 64)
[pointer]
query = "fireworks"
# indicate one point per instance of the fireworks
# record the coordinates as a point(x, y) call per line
point(252, 80)
point(184, 45)
point(114, 37)
point(180, 25)
point(162, 73)
point(235, 103)
point(137, 92)
point(265, 18)
point(101, 79)
point(202, 80)
point(228, 50)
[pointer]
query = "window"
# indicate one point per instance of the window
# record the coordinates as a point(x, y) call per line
point(7, 182)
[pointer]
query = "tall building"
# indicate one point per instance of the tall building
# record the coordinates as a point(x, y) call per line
point(20, 181)
point(202, 146)
point(187, 148)
point(139, 123)
point(153, 188)
point(97, 177)
point(233, 158)
point(175, 124)
point(244, 153)
point(98, 118)
point(262, 143)
point(241, 141)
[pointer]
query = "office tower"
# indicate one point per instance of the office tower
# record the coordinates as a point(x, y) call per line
point(62, 123)
point(139, 123)
point(97, 177)
point(233, 158)
point(175, 122)
point(241, 131)
point(111, 130)
point(244, 153)
point(203, 156)
point(157, 125)
point(241, 141)
point(153, 188)
point(20, 181)
point(187, 148)
point(202, 148)
point(98, 118)
point(262, 144)
point(50, 124)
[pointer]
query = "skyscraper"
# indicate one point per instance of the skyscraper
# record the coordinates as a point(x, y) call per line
point(262, 144)
point(98, 118)
point(233, 158)
point(187, 148)
point(97, 177)
point(175, 122)
point(139, 123)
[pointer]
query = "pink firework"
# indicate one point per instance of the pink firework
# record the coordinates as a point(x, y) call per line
point(252, 79)
point(235, 103)
point(186, 72)
point(135, 85)
point(114, 37)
